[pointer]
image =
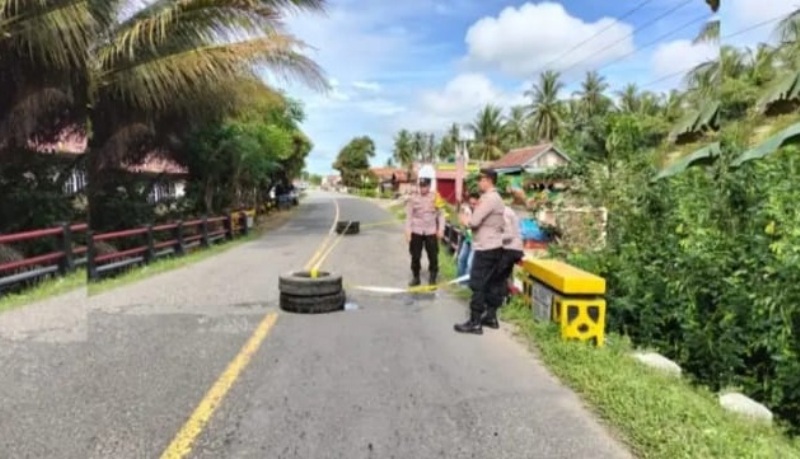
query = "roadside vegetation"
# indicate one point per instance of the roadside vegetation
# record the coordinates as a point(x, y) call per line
point(700, 249)
point(108, 107)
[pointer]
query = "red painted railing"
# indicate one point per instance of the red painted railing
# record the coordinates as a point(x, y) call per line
point(156, 241)
point(62, 261)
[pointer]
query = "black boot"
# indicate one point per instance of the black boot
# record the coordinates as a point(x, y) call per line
point(414, 280)
point(490, 319)
point(471, 326)
point(432, 278)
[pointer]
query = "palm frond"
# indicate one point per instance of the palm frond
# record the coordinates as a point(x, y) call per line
point(161, 80)
point(210, 20)
point(53, 32)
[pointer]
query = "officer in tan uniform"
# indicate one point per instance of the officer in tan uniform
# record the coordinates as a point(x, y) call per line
point(488, 226)
point(424, 229)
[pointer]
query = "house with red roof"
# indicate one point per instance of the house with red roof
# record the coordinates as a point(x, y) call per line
point(530, 159)
point(169, 177)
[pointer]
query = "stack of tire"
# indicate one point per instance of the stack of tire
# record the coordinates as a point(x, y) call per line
point(303, 294)
point(348, 227)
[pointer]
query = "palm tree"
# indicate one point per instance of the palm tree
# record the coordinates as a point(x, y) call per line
point(418, 143)
point(545, 107)
point(518, 126)
point(592, 94)
point(430, 147)
point(42, 44)
point(491, 133)
point(447, 147)
point(629, 99)
point(783, 91)
point(404, 151)
point(709, 33)
point(761, 64)
point(168, 55)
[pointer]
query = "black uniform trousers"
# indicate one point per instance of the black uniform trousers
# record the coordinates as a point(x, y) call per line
point(508, 259)
point(483, 280)
point(431, 244)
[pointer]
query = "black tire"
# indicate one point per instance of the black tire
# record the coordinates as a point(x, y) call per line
point(313, 304)
point(301, 284)
point(348, 227)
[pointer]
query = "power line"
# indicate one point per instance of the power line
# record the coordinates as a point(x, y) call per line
point(753, 27)
point(654, 42)
point(598, 33)
point(738, 32)
point(666, 77)
point(626, 36)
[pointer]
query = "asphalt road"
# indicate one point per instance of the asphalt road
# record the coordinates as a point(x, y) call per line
point(116, 375)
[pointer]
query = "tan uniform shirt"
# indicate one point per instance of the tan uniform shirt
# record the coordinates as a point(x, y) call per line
point(512, 240)
point(487, 222)
point(422, 216)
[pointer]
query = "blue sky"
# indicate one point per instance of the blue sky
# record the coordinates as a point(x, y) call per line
point(423, 64)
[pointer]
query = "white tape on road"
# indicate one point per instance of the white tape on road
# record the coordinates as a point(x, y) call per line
point(419, 288)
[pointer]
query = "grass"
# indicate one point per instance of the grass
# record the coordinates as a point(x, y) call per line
point(165, 265)
point(44, 290)
point(656, 415)
point(66, 284)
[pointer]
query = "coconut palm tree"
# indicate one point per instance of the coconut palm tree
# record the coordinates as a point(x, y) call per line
point(629, 98)
point(418, 144)
point(446, 148)
point(167, 55)
point(592, 94)
point(545, 107)
point(42, 44)
point(518, 126)
point(491, 133)
point(709, 33)
point(404, 151)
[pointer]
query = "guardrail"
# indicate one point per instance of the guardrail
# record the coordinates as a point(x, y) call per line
point(58, 262)
point(183, 236)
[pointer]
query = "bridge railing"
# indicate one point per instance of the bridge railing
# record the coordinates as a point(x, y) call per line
point(149, 243)
point(66, 258)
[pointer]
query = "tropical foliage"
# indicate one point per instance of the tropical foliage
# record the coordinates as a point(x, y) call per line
point(352, 162)
point(700, 185)
point(143, 83)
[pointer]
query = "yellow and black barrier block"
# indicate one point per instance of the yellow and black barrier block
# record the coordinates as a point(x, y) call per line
point(568, 296)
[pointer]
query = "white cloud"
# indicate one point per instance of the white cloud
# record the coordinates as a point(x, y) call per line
point(521, 41)
point(738, 15)
point(680, 56)
point(381, 107)
point(457, 102)
point(369, 86)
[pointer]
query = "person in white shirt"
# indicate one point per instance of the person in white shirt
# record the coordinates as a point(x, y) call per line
point(465, 253)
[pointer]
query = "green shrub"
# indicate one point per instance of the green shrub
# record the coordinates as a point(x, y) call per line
point(704, 267)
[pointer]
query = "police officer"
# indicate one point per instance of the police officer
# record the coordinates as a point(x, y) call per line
point(424, 229)
point(487, 225)
point(512, 253)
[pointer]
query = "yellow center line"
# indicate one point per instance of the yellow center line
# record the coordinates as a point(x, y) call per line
point(181, 445)
point(331, 232)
